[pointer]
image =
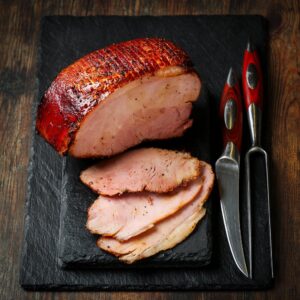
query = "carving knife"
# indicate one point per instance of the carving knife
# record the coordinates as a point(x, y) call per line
point(253, 98)
point(228, 167)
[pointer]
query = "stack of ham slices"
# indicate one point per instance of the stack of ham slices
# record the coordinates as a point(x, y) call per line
point(150, 200)
point(113, 99)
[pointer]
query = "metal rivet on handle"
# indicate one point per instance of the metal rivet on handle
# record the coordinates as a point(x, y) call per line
point(252, 76)
point(230, 113)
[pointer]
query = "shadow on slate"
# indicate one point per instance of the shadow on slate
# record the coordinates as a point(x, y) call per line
point(214, 43)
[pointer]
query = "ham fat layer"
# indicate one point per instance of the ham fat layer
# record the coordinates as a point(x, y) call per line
point(116, 97)
point(146, 169)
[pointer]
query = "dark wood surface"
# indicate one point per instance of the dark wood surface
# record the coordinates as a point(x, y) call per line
point(19, 34)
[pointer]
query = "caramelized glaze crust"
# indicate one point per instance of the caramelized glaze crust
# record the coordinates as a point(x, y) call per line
point(83, 85)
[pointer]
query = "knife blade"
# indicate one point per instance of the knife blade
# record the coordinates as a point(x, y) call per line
point(228, 167)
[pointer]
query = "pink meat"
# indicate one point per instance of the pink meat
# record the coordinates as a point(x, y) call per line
point(166, 233)
point(131, 214)
point(146, 169)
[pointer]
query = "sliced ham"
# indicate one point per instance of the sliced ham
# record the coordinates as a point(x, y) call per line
point(165, 234)
point(146, 169)
point(119, 96)
point(130, 214)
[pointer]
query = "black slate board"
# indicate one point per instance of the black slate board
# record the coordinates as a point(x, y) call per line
point(223, 39)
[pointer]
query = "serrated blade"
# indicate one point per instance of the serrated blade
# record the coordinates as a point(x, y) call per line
point(227, 170)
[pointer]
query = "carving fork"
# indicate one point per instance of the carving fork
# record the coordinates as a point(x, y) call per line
point(253, 98)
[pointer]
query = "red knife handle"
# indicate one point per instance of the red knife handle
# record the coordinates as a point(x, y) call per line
point(231, 112)
point(252, 79)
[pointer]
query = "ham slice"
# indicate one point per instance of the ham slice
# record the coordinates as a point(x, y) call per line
point(131, 214)
point(146, 169)
point(165, 234)
point(119, 96)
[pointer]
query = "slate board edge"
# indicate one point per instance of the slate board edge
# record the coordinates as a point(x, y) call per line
point(171, 287)
point(31, 152)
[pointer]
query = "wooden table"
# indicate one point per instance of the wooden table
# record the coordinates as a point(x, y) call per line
point(19, 34)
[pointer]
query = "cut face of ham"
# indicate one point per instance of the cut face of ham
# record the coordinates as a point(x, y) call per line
point(119, 96)
point(146, 169)
point(166, 233)
point(146, 109)
point(131, 214)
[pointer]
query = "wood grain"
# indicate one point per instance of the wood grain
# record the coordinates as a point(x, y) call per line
point(19, 32)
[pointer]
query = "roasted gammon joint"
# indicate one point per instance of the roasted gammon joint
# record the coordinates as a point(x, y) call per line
point(139, 224)
point(116, 97)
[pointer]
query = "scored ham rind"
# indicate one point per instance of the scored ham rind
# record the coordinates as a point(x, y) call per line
point(130, 214)
point(166, 233)
point(116, 97)
point(146, 169)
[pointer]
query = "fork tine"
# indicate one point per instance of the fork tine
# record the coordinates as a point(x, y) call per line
point(249, 213)
point(269, 211)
